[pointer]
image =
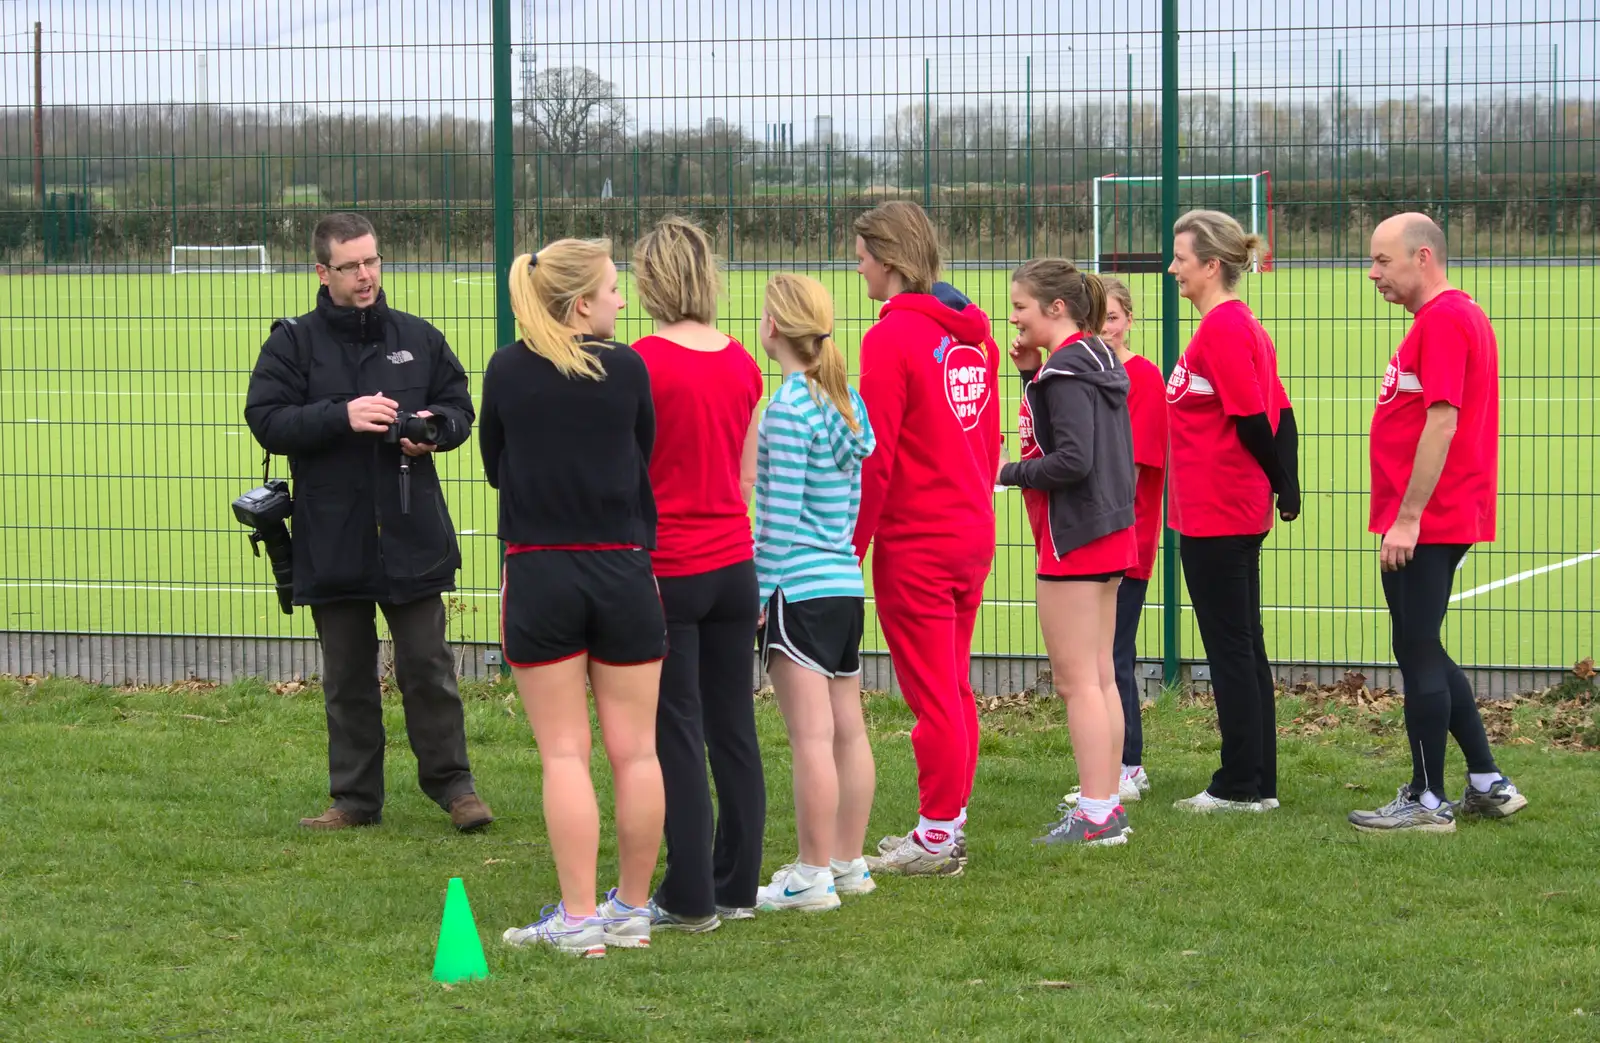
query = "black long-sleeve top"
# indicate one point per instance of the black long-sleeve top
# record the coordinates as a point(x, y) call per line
point(570, 455)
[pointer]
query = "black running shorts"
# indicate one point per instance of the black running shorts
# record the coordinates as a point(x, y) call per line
point(820, 634)
point(558, 604)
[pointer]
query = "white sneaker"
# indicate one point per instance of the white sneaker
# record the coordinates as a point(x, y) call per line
point(1203, 803)
point(912, 858)
point(854, 880)
point(627, 927)
point(1269, 804)
point(586, 939)
point(1127, 791)
point(1140, 779)
point(789, 890)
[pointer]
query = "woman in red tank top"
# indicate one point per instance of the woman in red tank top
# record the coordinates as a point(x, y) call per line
point(705, 386)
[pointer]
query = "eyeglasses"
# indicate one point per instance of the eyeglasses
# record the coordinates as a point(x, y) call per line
point(371, 264)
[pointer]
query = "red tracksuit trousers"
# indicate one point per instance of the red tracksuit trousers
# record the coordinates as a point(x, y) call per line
point(927, 597)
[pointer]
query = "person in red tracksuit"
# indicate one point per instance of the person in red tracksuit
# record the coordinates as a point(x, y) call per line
point(929, 370)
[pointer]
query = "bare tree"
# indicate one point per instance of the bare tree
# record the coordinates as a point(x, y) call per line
point(575, 115)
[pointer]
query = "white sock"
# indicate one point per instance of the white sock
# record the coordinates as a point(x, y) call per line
point(961, 820)
point(1481, 782)
point(1430, 800)
point(1097, 811)
point(937, 834)
point(839, 867)
point(810, 875)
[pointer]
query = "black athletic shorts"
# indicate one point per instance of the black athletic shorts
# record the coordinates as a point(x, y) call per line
point(820, 634)
point(557, 604)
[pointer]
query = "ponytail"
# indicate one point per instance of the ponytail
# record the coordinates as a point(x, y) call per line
point(803, 313)
point(545, 288)
point(1052, 279)
point(827, 372)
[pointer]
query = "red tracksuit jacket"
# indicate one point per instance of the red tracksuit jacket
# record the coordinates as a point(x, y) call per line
point(929, 377)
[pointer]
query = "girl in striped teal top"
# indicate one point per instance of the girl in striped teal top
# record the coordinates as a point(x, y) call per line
point(814, 438)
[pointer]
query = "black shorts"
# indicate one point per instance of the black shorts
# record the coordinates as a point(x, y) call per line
point(820, 634)
point(1088, 577)
point(558, 604)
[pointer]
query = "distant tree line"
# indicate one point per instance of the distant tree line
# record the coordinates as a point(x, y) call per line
point(148, 176)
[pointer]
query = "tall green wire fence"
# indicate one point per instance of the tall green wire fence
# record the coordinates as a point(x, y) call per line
point(160, 173)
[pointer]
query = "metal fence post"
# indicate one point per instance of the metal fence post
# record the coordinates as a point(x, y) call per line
point(504, 215)
point(1169, 310)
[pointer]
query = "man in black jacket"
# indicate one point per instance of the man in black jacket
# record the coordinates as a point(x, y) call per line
point(370, 525)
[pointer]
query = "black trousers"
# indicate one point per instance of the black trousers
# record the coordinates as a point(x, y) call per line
point(426, 673)
point(707, 707)
point(1438, 697)
point(1223, 574)
point(1130, 606)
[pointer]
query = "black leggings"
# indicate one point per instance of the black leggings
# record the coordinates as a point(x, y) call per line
point(1223, 574)
point(1130, 605)
point(1438, 697)
point(707, 706)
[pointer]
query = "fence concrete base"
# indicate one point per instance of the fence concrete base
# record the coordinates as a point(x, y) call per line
point(156, 659)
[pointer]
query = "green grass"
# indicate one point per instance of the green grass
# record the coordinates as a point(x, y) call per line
point(120, 399)
point(153, 886)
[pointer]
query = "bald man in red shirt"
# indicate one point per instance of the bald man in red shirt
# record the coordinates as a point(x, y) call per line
point(1435, 458)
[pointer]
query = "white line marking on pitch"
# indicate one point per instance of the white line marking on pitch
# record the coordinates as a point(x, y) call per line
point(1519, 577)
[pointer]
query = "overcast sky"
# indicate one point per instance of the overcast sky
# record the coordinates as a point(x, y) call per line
point(755, 62)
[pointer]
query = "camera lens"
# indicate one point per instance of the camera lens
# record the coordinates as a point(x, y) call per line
point(421, 429)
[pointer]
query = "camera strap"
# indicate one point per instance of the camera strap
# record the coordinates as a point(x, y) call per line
point(302, 358)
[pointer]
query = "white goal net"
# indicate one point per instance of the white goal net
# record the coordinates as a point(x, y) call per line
point(1127, 214)
point(195, 260)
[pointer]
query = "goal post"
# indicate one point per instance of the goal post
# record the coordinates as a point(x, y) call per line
point(1127, 214)
point(227, 260)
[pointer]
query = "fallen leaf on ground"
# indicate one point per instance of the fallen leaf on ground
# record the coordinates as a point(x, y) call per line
point(1056, 984)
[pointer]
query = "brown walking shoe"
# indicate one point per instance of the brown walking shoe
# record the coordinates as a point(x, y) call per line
point(469, 812)
point(336, 818)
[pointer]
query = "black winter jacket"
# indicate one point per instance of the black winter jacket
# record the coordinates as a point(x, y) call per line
point(351, 541)
point(1080, 420)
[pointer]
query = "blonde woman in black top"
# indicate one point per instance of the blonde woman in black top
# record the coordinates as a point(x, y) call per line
point(566, 431)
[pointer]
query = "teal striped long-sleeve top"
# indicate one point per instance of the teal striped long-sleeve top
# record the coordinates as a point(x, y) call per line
point(808, 491)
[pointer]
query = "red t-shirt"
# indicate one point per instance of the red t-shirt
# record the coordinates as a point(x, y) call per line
point(1230, 369)
point(704, 403)
point(1449, 355)
point(1147, 410)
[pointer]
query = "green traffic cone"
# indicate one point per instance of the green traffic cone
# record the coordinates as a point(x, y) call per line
point(459, 955)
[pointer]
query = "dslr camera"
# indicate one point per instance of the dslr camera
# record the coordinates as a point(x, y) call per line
point(420, 429)
point(265, 509)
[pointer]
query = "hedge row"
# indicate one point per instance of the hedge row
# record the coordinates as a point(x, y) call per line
point(1309, 213)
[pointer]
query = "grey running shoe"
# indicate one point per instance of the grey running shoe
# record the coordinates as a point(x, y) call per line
point(889, 843)
point(1502, 801)
point(1065, 809)
point(666, 921)
point(1406, 812)
point(627, 926)
point(586, 939)
point(911, 858)
point(1077, 829)
point(735, 912)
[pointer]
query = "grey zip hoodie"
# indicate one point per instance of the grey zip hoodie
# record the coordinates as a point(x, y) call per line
point(1079, 403)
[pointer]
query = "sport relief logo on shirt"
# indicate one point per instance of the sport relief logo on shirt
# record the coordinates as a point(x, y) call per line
point(966, 381)
point(1394, 381)
point(1183, 381)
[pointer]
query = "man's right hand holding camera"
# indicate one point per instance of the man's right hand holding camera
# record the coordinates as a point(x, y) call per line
point(372, 413)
